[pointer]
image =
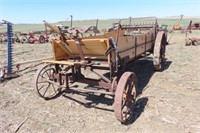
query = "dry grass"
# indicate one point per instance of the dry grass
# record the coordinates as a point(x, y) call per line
point(169, 101)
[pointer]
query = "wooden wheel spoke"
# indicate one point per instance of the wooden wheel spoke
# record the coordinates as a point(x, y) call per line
point(53, 88)
point(43, 75)
point(48, 74)
point(45, 81)
point(40, 88)
point(45, 78)
point(127, 103)
point(46, 90)
point(41, 82)
point(124, 95)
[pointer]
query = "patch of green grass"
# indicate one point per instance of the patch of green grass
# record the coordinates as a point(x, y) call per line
point(101, 24)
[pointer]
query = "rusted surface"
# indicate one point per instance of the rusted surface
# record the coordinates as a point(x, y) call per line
point(110, 51)
point(113, 85)
point(125, 96)
point(159, 51)
point(45, 82)
point(31, 37)
point(192, 41)
point(193, 26)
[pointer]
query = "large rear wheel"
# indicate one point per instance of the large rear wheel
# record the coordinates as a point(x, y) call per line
point(159, 51)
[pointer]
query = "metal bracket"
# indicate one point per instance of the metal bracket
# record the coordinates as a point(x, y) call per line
point(113, 45)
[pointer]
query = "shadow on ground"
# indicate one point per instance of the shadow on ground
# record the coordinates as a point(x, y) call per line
point(144, 70)
point(138, 110)
point(92, 100)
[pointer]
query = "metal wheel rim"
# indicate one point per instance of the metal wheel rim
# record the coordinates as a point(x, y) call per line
point(42, 39)
point(159, 51)
point(48, 87)
point(124, 102)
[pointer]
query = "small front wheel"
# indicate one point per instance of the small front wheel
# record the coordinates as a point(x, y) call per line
point(46, 82)
point(125, 97)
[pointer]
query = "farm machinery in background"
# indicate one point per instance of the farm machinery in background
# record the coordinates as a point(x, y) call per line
point(192, 40)
point(20, 37)
point(39, 37)
point(6, 67)
point(191, 26)
point(24, 37)
point(3, 37)
point(32, 37)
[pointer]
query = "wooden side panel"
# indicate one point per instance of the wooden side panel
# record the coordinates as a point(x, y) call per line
point(73, 46)
point(59, 52)
point(149, 36)
point(93, 47)
point(136, 45)
point(149, 46)
point(140, 39)
point(128, 53)
point(150, 39)
point(125, 43)
point(140, 49)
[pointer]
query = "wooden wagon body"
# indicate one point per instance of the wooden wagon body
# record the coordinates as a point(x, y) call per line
point(73, 52)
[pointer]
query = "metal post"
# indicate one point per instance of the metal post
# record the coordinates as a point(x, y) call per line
point(96, 27)
point(9, 48)
point(71, 21)
point(129, 21)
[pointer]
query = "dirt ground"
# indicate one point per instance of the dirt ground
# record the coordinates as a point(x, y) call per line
point(169, 100)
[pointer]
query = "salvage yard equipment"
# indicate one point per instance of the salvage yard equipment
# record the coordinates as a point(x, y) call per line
point(177, 26)
point(193, 26)
point(76, 51)
point(192, 41)
point(3, 37)
point(6, 69)
point(21, 37)
point(33, 37)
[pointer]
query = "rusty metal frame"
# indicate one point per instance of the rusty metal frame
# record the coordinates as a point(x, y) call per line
point(115, 83)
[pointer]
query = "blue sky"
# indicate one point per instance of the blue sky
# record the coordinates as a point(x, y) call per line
point(35, 11)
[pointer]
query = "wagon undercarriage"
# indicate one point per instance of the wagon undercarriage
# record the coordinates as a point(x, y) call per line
point(75, 52)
